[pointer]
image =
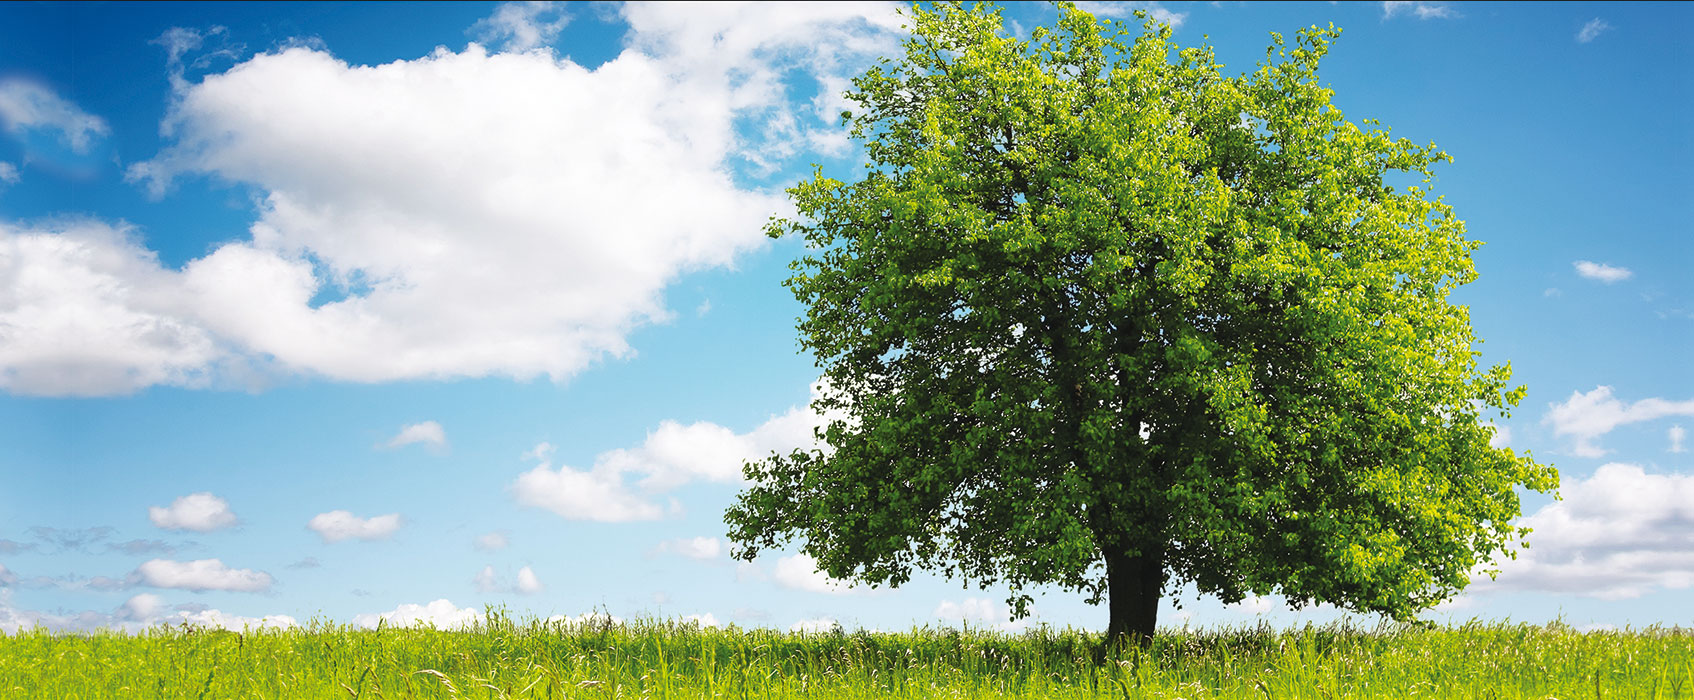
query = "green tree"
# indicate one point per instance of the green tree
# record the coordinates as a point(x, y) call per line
point(1102, 317)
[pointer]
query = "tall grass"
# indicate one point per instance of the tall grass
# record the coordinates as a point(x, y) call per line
point(502, 658)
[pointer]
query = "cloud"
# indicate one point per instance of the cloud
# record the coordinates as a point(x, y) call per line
point(7, 578)
point(85, 310)
point(1676, 434)
point(821, 625)
point(8, 174)
point(307, 563)
point(458, 215)
point(528, 582)
point(1126, 10)
point(492, 542)
point(133, 547)
point(79, 540)
point(1423, 10)
point(200, 575)
point(427, 433)
point(14, 546)
point(619, 485)
point(136, 614)
point(701, 548)
point(588, 619)
point(521, 26)
point(441, 614)
point(800, 572)
point(703, 620)
point(1591, 30)
point(1621, 533)
point(485, 580)
point(1601, 271)
point(972, 609)
point(1502, 436)
point(1587, 417)
point(25, 105)
point(200, 512)
point(338, 525)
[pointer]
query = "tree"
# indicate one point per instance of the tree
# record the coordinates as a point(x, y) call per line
point(1100, 316)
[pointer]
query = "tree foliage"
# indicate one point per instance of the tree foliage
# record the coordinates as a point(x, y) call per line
point(1098, 315)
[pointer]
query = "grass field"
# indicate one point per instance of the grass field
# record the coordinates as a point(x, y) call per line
point(505, 659)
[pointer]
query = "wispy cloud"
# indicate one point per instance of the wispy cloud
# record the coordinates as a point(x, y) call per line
point(1591, 30)
point(1601, 271)
point(428, 433)
point(1586, 417)
point(1422, 10)
point(25, 105)
point(521, 26)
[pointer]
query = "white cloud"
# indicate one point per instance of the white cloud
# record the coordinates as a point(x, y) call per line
point(338, 525)
point(588, 619)
point(1621, 533)
point(1601, 271)
point(200, 575)
point(521, 26)
point(441, 614)
point(492, 542)
point(800, 572)
point(673, 455)
point(1591, 30)
point(485, 580)
point(1125, 10)
point(1423, 10)
point(972, 610)
point(820, 625)
point(85, 310)
point(429, 433)
point(528, 582)
point(1502, 436)
point(8, 173)
point(701, 548)
point(200, 512)
point(464, 214)
point(140, 612)
point(1676, 434)
point(25, 105)
point(703, 620)
point(1586, 417)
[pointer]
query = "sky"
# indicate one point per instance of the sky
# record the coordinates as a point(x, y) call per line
point(391, 312)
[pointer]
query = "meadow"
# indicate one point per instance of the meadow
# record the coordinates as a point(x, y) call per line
point(503, 658)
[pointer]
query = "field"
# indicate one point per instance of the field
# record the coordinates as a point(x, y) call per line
point(506, 659)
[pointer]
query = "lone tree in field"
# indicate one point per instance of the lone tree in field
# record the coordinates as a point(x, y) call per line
point(1099, 316)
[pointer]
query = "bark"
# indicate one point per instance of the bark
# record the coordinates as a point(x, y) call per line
point(1134, 585)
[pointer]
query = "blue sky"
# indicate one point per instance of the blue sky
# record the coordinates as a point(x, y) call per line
point(345, 311)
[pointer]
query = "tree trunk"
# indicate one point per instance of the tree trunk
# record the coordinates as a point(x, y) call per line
point(1134, 585)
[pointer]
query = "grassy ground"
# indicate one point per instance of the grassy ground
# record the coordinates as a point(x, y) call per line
point(503, 659)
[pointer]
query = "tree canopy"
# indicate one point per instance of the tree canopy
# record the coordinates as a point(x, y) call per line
point(1098, 315)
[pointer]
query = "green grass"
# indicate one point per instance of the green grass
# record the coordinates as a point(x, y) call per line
point(505, 659)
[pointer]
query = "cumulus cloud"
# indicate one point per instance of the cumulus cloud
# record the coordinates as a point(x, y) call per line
point(972, 610)
point(441, 614)
point(1125, 10)
point(85, 310)
point(821, 625)
point(1585, 417)
point(338, 525)
point(701, 548)
point(521, 26)
point(1591, 30)
point(428, 433)
point(1422, 10)
point(1620, 533)
point(136, 614)
point(200, 575)
point(486, 581)
point(25, 105)
point(703, 620)
point(1601, 271)
point(619, 486)
point(200, 512)
point(492, 542)
point(464, 214)
point(528, 582)
point(800, 572)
